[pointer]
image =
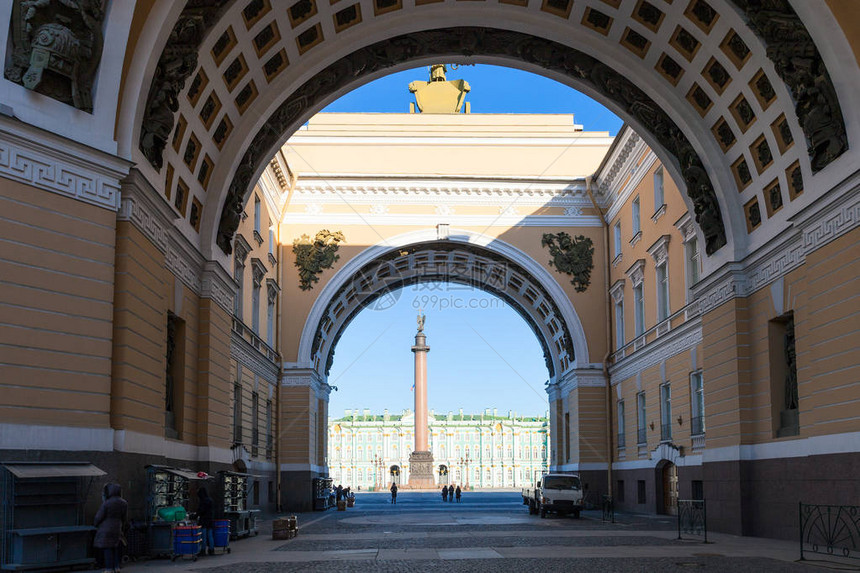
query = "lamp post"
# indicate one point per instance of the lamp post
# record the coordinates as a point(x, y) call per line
point(464, 462)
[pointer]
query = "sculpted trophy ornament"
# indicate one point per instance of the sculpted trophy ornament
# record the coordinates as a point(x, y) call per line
point(56, 48)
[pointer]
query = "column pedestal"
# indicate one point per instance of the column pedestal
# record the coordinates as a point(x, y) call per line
point(421, 471)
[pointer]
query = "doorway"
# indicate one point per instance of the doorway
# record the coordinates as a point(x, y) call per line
point(443, 475)
point(670, 488)
point(394, 474)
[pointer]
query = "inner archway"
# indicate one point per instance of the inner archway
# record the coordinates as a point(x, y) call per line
point(463, 257)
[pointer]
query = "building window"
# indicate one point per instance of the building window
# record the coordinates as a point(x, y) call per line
point(237, 412)
point(692, 258)
point(255, 308)
point(270, 318)
point(698, 489)
point(272, 242)
point(640, 487)
point(637, 225)
point(665, 412)
point(257, 211)
point(638, 310)
point(174, 376)
point(239, 277)
point(783, 376)
point(617, 230)
point(619, 324)
point(658, 189)
point(270, 437)
point(662, 291)
point(255, 423)
point(697, 395)
point(566, 436)
point(621, 425)
point(641, 434)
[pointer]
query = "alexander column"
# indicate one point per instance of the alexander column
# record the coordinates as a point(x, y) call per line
point(421, 460)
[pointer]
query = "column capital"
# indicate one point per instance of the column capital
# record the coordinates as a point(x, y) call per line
point(306, 377)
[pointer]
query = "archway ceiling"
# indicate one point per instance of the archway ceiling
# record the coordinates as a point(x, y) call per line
point(716, 68)
point(442, 261)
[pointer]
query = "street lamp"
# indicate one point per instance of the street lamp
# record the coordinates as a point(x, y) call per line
point(464, 462)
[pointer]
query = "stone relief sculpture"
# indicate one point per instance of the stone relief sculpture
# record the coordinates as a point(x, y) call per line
point(572, 256)
point(315, 255)
point(56, 48)
point(466, 41)
point(799, 64)
point(178, 61)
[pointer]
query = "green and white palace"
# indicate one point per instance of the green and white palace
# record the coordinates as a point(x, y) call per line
point(486, 450)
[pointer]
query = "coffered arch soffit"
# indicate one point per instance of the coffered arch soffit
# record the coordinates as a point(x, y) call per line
point(727, 125)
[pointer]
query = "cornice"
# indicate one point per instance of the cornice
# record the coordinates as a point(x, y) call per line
point(686, 226)
point(659, 251)
point(616, 200)
point(44, 160)
point(617, 290)
point(337, 188)
point(218, 285)
point(676, 341)
point(142, 206)
point(421, 220)
point(783, 254)
point(636, 272)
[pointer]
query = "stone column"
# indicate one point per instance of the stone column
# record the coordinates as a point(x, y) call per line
point(421, 460)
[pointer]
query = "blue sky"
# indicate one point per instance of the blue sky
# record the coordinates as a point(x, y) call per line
point(483, 354)
point(494, 90)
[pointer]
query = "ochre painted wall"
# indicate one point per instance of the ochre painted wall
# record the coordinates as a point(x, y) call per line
point(56, 308)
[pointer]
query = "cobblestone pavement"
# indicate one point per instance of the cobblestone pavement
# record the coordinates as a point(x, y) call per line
point(488, 531)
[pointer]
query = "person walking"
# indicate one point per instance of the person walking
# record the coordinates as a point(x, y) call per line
point(109, 521)
point(459, 492)
point(393, 492)
point(445, 493)
point(338, 492)
point(205, 514)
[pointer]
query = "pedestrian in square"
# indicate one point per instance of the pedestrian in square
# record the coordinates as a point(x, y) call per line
point(393, 492)
point(445, 493)
point(459, 493)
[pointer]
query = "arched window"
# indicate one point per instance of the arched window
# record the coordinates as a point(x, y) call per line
point(498, 451)
point(534, 452)
point(510, 451)
point(456, 451)
point(520, 452)
point(442, 450)
point(487, 451)
point(510, 476)
point(349, 452)
point(543, 452)
point(467, 450)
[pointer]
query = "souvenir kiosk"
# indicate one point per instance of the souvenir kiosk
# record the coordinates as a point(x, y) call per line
point(43, 524)
point(168, 491)
point(322, 493)
point(233, 494)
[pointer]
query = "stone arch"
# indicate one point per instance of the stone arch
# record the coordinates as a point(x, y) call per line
point(467, 257)
point(629, 41)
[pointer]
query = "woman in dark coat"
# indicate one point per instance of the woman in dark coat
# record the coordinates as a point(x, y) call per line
point(459, 493)
point(445, 493)
point(205, 510)
point(110, 519)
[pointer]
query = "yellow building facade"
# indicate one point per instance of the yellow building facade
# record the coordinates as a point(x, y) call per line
point(130, 182)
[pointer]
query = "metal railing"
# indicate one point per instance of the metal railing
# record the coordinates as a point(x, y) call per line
point(697, 425)
point(666, 432)
point(642, 436)
point(608, 508)
point(832, 530)
point(693, 518)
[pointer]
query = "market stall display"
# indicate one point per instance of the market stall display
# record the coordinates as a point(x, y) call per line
point(43, 515)
point(233, 493)
point(167, 503)
point(322, 493)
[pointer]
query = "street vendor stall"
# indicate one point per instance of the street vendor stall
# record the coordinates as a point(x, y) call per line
point(43, 515)
point(322, 493)
point(167, 502)
point(233, 490)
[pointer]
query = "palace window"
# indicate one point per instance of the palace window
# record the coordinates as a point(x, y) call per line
point(642, 436)
point(237, 409)
point(637, 224)
point(621, 426)
point(617, 231)
point(270, 316)
point(691, 248)
point(566, 436)
point(174, 376)
point(697, 402)
point(665, 412)
point(619, 324)
point(257, 212)
point(239, 277)
point(659, 200)
point(783, 376)
point(638, 310)
point(255, 423)
point(662, 291)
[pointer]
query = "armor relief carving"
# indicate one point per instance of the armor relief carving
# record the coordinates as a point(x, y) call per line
point(56, 48)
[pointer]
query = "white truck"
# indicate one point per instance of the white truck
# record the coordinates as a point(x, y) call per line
point(560, 493)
